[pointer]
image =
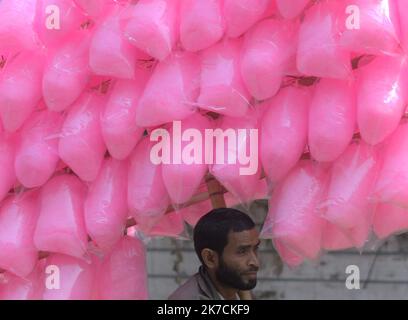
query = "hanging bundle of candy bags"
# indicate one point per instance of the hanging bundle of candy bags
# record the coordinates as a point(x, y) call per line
point(86, 84)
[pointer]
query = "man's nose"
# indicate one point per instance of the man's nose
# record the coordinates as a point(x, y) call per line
point(254, 261)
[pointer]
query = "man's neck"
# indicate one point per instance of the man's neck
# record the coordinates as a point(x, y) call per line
point(226, 292)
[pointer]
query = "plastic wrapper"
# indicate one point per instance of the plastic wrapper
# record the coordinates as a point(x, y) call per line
point(74, 278)
point(349, 205)
point(403, 19)
point(147, 196)
point(389, 219)
point(240, 15)
point(291, 9)
point(154, 27)
point(171, 92)
point(37, 156)
point(193, 214)
point(18, 217)
point(222, 87)
point(81, 144)
point(105, 206)
point(372, 27)
point(20, 89)
point(67, 72)
point(334, 238)
point(27, 288)
point(239, 171)
point(183, 176)
point(266, 56)
point(7, 172)
point(171, 225)
point(202, 24)
point(294, 218)
point(53, 26)
point(392, 182)
point(290, 258)
point(381, 97)
point(118, 124)
point(110, 54)
point(65, 231)
point(94, 8)
point(123, 273)
point(332, 119)
point(16, 26)
point(284, 131)
point(319, 51)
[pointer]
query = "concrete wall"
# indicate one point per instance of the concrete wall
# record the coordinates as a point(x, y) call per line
point(383, 270)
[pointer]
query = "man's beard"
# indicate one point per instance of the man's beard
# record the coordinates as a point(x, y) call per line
point(232, 278)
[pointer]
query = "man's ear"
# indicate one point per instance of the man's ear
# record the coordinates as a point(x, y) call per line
point(210, 258)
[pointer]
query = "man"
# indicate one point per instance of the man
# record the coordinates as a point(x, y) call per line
point(226, 242)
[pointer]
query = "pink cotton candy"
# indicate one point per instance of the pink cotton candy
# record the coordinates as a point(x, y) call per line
point(94, 8)
point(110, 53)
point(239, 169)
point(18, 217)
point(106, 204)
point(67, 73)
point(123, 274)
point(37, 151)
point(20, 89)
point(27, 288)
point(147, 196)
point(392, 183)
point(56, 19)
point(75, 278)
point(332, 119)
point(389, 219)
point(202, 24)
point(240, 15)
point(16, 24)
point(334, 238)
point(81, 144)
point(284, 131)
point(154, 27)
point(371, 26)
point(118, 124)
point(348, 202)
point(183, 176)
point(319, 52)
point(291, 9)
point(61, 226)
point(222, 87)
point(403, 19)
point(294, 219)
point(7, 172)
point(381, 97)
point(170, 225)
point(171, 92)
point(289, 257)
point(267, 52)
point(193, 213)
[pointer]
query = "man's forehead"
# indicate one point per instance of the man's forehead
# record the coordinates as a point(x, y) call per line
point(242, 238)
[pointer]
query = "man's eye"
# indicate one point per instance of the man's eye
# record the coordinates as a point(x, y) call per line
point(241, 251)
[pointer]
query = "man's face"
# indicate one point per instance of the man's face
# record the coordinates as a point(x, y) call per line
point(238, 265)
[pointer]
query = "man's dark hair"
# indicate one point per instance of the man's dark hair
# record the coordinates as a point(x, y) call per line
point(212, 229)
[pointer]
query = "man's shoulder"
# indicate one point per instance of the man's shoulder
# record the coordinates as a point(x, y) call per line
point(190, 290)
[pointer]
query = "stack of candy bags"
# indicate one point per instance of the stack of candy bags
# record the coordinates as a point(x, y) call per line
point(84, 84)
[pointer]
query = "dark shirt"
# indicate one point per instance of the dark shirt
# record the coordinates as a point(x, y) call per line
point(198, 287)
